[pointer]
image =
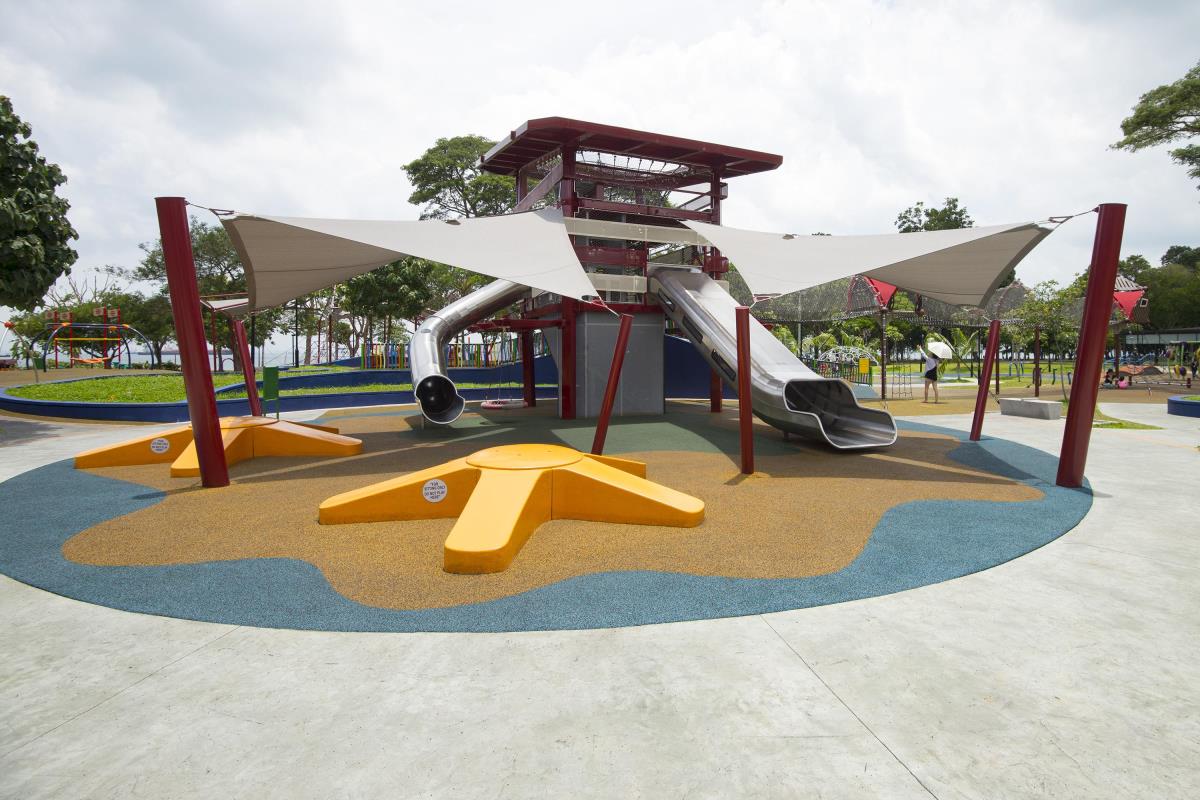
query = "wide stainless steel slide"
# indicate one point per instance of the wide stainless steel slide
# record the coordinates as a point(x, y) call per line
point(784, 392)
point(439, 399)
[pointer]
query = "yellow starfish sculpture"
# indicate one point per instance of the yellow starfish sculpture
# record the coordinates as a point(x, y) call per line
point(243, 438)
point(503, 494)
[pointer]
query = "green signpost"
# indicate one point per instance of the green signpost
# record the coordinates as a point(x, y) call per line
point(270, 387)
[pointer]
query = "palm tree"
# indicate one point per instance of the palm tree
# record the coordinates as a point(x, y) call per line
point(961, 346)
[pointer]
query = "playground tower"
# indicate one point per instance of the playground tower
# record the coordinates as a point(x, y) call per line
point(610, 174)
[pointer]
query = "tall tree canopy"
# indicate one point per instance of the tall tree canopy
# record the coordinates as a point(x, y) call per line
point(218, 268)
point(401, 289)
point(919, 218)
point(35, 235)
point(218, 271)
point(1169, 113)
point(448, 182)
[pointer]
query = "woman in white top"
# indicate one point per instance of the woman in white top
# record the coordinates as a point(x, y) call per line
point(932, 363)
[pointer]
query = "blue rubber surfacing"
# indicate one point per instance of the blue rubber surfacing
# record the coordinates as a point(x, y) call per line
point(914, 544)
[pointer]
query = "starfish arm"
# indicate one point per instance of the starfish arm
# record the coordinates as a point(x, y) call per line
point(406, 497)
point(505, 509)
point(238, 444)
point(637, 468)
point(316, 427)
point(137, 451)
point(594, 491)
point(288, 439)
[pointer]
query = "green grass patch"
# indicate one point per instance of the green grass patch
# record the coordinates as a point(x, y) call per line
point(374, 387)
point(122, 389)
point(169, 388)
point(1102, 420)
point(313, 369)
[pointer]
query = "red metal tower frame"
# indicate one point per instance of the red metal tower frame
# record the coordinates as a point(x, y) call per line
point(604, 172)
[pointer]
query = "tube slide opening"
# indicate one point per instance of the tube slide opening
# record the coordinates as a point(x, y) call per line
point(439, 399)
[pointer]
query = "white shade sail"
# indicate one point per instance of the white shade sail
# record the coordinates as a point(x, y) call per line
point(287, 257)
point(962, 266)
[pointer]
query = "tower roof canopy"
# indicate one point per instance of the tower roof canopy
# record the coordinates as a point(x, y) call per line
point(539, 138)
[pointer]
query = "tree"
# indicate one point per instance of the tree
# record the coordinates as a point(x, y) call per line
point(784, 335)
point(1133, 267)
point(218, 272)
point(218, 267)
point(1179, 254)
point(1169, 113)
point(962, 347)
point(919, 218)
point(1173, 292)
point(402, 289)
point(448, 181)
point(151, 316)
point(35, 235)
point(1046, 308)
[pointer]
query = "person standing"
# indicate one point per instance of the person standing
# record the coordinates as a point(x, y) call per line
point(932, 363)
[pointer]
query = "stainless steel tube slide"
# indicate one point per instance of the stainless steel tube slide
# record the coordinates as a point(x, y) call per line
point(435, 392)
point(784, 392)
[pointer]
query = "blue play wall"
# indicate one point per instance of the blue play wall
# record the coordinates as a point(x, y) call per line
point(685, 375)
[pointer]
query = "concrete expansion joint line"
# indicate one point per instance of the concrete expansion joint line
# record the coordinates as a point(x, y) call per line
point(119, 692)
point(846, 705)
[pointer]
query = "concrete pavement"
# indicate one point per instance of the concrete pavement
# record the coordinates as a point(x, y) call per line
point(1069, 672)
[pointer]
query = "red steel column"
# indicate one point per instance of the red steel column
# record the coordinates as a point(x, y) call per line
point(716, 389)
point(239, 339)
point(568, 201)
point(745, 404)
point(189, 333)
point(1093, 333)
point(566, 373)
point(614, 379)
point(985, 377)
point(527, 376)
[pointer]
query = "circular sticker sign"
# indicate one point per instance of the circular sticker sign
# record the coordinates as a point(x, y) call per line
point(434, 490)
point(160, 445)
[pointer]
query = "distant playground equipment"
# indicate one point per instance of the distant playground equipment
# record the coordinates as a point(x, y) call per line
point(87, 343)
point(231, 439)
point(381, 355)
point(503, 494)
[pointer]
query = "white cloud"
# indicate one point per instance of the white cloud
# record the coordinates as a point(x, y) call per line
point(306, 108)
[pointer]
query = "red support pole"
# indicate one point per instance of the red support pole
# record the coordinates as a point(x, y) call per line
point(985, 377)
point(745, 404)
point(527, 376)
point(243, 346)
point(189, 333)
point(566, 359)
point(1093, 333)
point(716, 390)
point(614, 379)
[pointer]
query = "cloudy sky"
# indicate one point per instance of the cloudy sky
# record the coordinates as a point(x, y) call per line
point(304, 108)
